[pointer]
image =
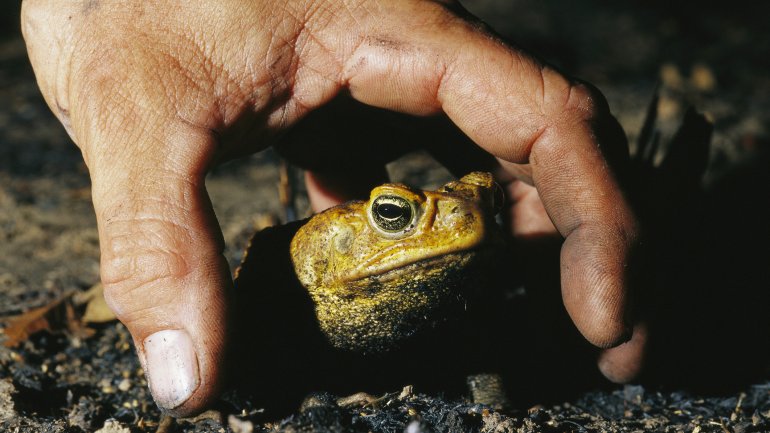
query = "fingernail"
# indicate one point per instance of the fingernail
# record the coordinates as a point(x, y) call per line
point(172, 367)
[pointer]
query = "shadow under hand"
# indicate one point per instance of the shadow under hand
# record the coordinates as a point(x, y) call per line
point(281, 355)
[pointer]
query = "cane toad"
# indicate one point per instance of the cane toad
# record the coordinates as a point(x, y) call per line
point(381, 270)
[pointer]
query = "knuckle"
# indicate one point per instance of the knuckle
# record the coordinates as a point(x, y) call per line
point(585, 101)
point(138, 268)
point(568, 107)
point(140, 282)
point(142, 258)
point(570, 99)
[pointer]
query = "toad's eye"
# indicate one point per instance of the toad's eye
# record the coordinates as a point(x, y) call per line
point(392, 213)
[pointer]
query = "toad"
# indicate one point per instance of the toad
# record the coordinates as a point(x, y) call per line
point(381, 270)
point(360, 296)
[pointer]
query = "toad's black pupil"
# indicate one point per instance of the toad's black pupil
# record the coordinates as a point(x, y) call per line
point(390, 211)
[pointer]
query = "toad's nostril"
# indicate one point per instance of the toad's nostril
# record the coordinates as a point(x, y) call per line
point(450, 212)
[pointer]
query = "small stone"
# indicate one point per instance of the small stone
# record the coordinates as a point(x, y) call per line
point(113, 426)
point(317, 399)
point(406, 392)
point(124, 385)
point(106, 386)
point(238, 425)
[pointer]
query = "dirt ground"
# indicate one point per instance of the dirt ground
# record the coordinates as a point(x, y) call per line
point(707, 273)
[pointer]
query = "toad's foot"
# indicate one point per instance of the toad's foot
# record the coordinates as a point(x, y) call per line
point(488, 389)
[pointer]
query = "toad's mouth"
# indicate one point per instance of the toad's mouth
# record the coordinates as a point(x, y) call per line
point(420, 266)
point(403, 254)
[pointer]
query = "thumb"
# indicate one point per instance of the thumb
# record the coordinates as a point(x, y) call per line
point(162, 266)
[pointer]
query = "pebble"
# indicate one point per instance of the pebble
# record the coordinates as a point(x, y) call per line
point(124, 385)
point(106, 386)
point(113, 426)
point(238, 425)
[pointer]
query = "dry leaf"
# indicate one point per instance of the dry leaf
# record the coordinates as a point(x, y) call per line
point(19, 328)
point(97, 310)
point(63, 314)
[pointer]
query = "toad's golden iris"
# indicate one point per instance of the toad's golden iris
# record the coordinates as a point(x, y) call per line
point(381, 270)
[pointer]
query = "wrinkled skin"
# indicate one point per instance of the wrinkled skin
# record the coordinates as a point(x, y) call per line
point(373, 287)
point(155, 93)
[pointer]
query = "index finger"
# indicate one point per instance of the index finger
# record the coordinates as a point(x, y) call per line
point(522, 112)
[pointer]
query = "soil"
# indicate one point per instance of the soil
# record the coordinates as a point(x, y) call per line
point(706, 286)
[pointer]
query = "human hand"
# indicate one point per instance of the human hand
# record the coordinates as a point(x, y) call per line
point(154, 94)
